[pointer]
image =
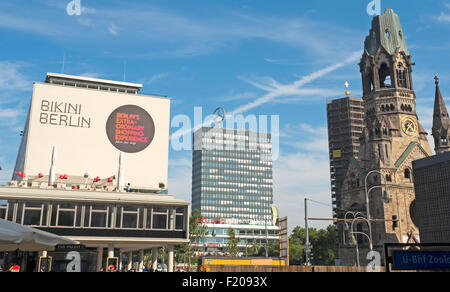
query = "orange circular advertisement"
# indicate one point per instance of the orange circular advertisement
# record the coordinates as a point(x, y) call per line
point(130, 129)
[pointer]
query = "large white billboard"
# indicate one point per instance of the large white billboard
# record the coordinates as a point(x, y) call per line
point(89, 129)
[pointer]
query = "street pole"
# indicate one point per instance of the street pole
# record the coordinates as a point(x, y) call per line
point(367, 192)
point(267, 241)
point(307, 244)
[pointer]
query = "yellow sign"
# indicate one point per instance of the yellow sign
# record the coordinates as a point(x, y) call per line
point(337, 153)
point(274, 215)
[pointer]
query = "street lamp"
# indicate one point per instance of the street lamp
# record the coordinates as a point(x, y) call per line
point(355, 215)
point(367, 192)
point(354, 240)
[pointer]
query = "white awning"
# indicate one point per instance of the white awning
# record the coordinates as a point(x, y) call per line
point(14, 236)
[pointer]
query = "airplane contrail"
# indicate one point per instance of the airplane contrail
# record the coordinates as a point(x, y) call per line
point(280, 90)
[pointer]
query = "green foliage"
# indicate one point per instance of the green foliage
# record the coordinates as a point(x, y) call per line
point(185, 253)
point(232, 245)
point(197, 230)
point(322, 241)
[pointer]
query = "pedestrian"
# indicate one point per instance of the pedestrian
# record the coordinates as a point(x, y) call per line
point(128, 188)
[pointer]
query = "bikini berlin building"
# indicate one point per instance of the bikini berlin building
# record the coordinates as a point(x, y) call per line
point(92, 166)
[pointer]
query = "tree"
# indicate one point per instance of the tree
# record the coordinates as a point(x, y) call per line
point(322, 241)
point(232, 245)
point(197, 231)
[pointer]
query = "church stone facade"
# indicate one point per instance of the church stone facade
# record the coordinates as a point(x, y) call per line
point(392, 139)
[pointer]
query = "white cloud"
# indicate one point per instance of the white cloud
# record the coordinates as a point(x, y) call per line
point(113, 29)
point(10, 113)
point(178, 35)
point(301, 175)
point(444, 17)
point(11, 79)
point(156, 78)
point(276, 90)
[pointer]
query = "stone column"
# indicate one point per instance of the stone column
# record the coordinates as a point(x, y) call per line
point(154, 258)
point(120, 260)
point(170, 267)
point(141, 260)
point(110, 251)
point(130, 260)
point(99, 258)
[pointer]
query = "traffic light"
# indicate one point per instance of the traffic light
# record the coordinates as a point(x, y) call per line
point(394, 222)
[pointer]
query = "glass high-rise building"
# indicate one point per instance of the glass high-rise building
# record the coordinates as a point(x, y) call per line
point(232, 176)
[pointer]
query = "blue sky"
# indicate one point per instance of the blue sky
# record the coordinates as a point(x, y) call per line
point(220, 53)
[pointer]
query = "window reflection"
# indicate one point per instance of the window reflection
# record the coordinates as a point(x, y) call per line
point(159, 221)
point(32, 217)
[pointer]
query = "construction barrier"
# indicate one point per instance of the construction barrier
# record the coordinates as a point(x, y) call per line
point(287, 269)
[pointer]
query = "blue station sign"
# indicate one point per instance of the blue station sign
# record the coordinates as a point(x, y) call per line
point(421, 260)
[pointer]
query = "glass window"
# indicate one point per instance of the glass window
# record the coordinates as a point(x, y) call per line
point(129, 220)
point(32, 217)
point(98, 216)
point(159, 210)
point(62, 215)
point(53, 215)
point(141, 218)
point(66, 218)
point(179, 224)
point(159, 221)
point(3, 208)
point(179, 218)
point(99, 219)
point(130, 217)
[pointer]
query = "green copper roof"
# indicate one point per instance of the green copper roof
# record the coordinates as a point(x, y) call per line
point(386, 32)
point(407, 151)
point(355, 163)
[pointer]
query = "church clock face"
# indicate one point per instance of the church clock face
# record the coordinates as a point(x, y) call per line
point(409, 127)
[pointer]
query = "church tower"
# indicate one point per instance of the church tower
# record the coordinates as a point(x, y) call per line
point(441, 123)
point(392, 139)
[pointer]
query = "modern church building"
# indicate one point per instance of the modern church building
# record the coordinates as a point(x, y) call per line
point(92, 166)
point(232, 187)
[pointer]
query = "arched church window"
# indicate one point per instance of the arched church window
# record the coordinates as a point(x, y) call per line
point(401, 78)
point(392, 107)
point(408, 174)
point(385, 76)
point(444, 139)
